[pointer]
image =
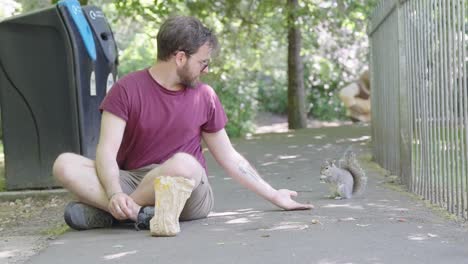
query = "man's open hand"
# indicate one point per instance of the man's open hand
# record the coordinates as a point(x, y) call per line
point(283, 199)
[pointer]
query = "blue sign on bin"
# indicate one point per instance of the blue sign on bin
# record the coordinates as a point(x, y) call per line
point(74, 8)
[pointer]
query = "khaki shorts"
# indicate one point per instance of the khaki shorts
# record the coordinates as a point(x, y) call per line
point(198, 205)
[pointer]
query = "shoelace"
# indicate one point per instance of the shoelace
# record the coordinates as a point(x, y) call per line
point(143, 219)
point(141, 226)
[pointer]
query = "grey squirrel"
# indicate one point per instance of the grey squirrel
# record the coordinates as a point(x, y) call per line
point(346, 179)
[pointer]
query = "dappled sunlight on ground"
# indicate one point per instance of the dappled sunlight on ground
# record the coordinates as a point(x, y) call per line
point(354, 140)
point(421, 237)
point(241, 220)
point(8, 253)
point(119, 255)
point(271, 123)
point(17, 249)
point(286, 226)
point(244, 226)
point(284, 157)
point(268, 163)
point(57, 243)
point(350, 206)
point(388, 207)
point(259, 221)
point(230, 213)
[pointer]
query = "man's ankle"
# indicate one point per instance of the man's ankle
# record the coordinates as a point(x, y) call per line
point(143, 218)
point(135, 211)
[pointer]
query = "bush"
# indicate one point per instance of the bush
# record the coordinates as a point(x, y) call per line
point(326, 106)
point(273, 95)
point(138, 55)
point(323, 81)
point(238, 98)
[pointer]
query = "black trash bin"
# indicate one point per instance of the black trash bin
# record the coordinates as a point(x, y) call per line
point(54, 70)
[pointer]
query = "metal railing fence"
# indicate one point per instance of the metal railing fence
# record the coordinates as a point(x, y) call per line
point(420, 98)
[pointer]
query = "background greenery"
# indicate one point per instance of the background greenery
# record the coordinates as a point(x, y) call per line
point(250, 73)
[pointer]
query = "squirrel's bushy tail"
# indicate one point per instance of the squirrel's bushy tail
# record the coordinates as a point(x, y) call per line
point(350, 163)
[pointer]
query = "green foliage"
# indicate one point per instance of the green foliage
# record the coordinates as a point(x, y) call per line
point(2, 169)
point(82, 2)
point(9, 8)
point(273, 95)
point(252, 66)
point(335, 50)
point(246, 48)
point(238, 99)
point(251, 70)
point(56, 230)
point(2, 180)
point(325, 104)
point(324, 83)
point(137, 55)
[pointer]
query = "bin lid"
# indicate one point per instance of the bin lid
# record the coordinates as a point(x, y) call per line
point(104, 37)
point(74, 8)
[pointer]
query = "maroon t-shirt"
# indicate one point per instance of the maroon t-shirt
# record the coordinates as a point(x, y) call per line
point(161, 122)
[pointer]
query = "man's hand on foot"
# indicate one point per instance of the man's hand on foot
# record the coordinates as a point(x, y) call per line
point(122, 207)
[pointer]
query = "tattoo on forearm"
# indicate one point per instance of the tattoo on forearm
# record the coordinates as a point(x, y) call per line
point(246, 169)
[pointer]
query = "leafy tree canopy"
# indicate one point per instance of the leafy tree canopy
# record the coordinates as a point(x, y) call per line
point(250, 72)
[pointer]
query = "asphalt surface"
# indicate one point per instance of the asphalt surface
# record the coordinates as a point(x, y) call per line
point(384, 225)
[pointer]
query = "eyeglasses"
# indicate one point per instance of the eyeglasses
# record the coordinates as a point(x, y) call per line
point(204, 63)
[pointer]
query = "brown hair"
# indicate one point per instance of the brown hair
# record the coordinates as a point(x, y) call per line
point(182, 33)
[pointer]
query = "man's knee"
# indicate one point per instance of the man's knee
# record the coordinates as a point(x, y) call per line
point(183, 165)
point(61, 168)
point(189, 217)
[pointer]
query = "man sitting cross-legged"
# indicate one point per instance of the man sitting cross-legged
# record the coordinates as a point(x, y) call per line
point(152, 125)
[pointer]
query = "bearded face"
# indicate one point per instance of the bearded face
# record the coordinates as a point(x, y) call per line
point(187, 78)
point(194, 66)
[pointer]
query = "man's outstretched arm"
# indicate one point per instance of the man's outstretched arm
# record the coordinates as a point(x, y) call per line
point(238, 168)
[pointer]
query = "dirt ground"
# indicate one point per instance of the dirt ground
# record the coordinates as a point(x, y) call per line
point(32, 216)
point(27, 225)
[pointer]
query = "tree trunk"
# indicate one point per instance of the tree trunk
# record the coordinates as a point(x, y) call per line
point(296, 96)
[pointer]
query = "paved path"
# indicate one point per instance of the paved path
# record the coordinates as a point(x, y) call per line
point(383, 226)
